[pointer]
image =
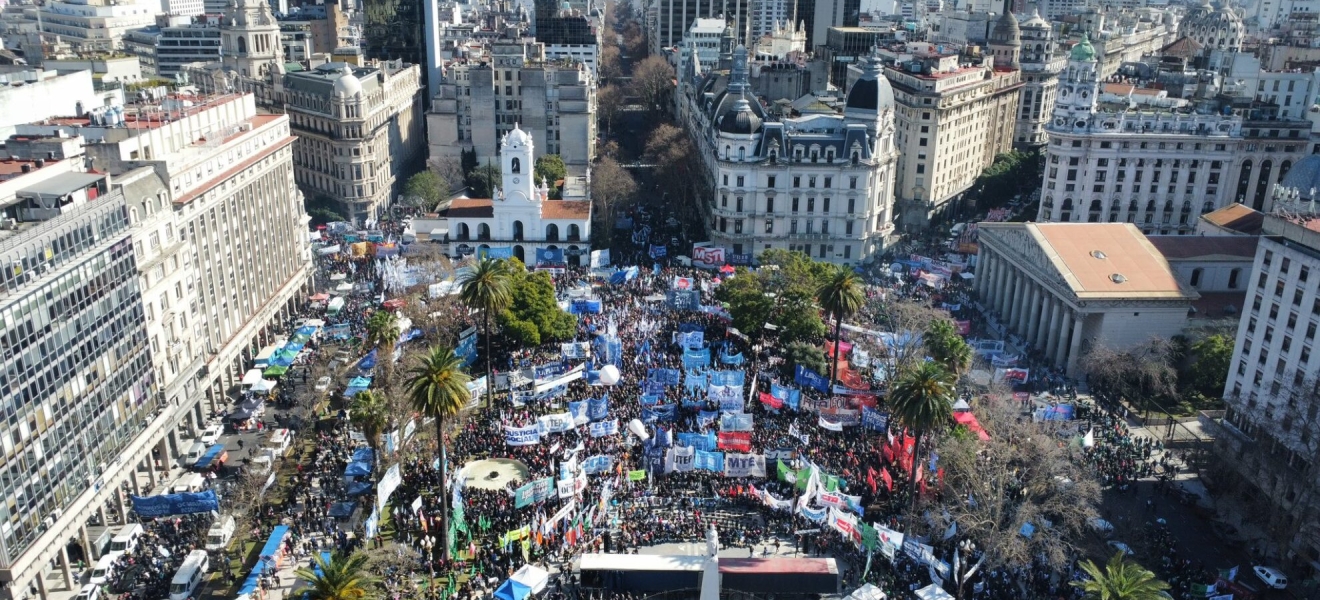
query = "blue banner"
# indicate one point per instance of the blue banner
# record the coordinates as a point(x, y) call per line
point(690, 340)
point(550, 371)
point(732, 359)
point(815, 515)
point(874, 420)
point(584, 307)
point(728, 378)
point(684, 299)
point(740, 259)
point(604, 428)
point(811, 379)
point(666, 412)
point(792, 397)
point(164, 505)
point(648, 400)
point(696, 360)
point(467, 348)
point(654, 387)
point(579, 411)
point(735, 422)
point(658, 251)
point(664, 376)
point(496, 252)
point(690, 402)
point(597, 464)
point(689, 327)
point(598, 408)
point(695, 381)
point(709, 461)
point(547, 256)
point(707, 417)
point(700, 441)
point(522, 436)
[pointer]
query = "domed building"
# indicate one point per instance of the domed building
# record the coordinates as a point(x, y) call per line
point(1006, 39)
point(1215, 28)
point(1040, 63)
point(811, 177)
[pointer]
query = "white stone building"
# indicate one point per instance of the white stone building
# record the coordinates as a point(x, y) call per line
point(1041, 63)
point(1063, 289)
point(1213, 28)
point(1158, 169)
point(703, 39)
point(482, 99)
point(520, 221)
point(1267, 440)
point(821, 183)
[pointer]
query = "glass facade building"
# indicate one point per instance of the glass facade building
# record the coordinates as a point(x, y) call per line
point(75, 373)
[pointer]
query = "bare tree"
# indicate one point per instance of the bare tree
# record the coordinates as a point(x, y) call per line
point(1145, 374)
point(907, 320)
point(609, 104)
point(610, 67)
point(653, 84)
point(1021, 476)
point(611, 187)
point(450, 168)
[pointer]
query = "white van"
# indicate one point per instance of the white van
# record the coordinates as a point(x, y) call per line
point(189, 576)
point(89, 592)
point(194, 452)
point(104, 569)
point(127, 539)
point(279, 441)
point(222, 530)
point(190, 483)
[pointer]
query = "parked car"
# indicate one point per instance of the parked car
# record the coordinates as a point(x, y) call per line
point(211, 434)
point(323, 383)
point(1271, 576)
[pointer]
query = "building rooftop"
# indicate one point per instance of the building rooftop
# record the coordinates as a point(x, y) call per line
point(1108, 261)
point(469, 208)
point(150, 114)
point(1236, 217)
point(1205, 247)
point(566, 209)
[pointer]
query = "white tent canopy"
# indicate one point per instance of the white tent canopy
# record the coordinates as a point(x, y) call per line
point(533, 577)
point(867, 592)
point(252, 377)
point(961, 405)
point(265, 385)
point(932, 592)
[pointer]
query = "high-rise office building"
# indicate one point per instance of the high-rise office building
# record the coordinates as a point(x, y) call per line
point(393, 30)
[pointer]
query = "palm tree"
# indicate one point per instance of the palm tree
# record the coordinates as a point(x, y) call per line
point(1120, 579)
point(922, 400)
point(437, 388)
point(383, 332)
point(340, 578)
point(486, 287)
point(369, 414)
point(947, 347)
point(841, 297)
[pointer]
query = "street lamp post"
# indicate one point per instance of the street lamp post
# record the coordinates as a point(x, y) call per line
point(961, 576)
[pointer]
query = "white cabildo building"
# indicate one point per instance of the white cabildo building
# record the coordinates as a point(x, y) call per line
point(521, 221)
point(1063, 288)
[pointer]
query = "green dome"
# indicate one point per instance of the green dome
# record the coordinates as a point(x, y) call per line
point(1083, 51)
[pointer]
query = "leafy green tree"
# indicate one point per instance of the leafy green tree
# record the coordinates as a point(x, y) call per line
point(437, 388)
point(425, 190)
point(339, 578)
point(807, 355)
point(747, 302)
point(1207, 368)
point(534, 316)
point(483, 180)
point(550, 168)
point(1010, 174)
point(323, 209)
point(383, 332)
point(369, 414)
point(485, 287)
point(922, 400)
point(1120, 579)
point(841, 296)
point(947, 347)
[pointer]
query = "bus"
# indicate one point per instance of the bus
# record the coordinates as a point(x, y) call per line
point(618, 573)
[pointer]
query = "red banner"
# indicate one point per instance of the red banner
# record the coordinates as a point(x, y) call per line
point(740, 441)
point(889, 481)
point(771, 401)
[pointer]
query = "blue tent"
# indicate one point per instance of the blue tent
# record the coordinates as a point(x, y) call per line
point(364, 454)
point(357, 468)
point(512, 590)
point(212, 454)
point(342, 510)
point(368, 362)
point(359, 488)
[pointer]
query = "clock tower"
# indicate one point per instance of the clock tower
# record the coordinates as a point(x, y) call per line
point(516, 166)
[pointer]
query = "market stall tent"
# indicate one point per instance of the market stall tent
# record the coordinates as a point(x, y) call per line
point(512, 590)
point(932, 592)
point(533, 577)
point(252, 377)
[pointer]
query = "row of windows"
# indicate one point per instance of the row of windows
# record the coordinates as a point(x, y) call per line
point(795, 204)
